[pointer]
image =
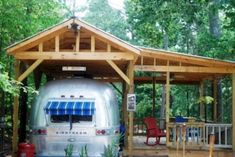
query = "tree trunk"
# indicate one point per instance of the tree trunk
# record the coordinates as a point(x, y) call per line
point(2, 119)
point(162, 110)
point(165, 40)
point(23, 110)
point(214, 22)
point(219, 102)
point(37, 75)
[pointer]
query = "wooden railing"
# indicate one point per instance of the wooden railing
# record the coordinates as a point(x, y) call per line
point(222, 132)
point(196, 136)
point(193, 136)
point(139, 127)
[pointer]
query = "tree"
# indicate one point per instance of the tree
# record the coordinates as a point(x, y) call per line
point(102, 15)
point(20, 19)
point(195, 27)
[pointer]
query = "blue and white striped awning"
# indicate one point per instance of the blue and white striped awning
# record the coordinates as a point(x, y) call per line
point(68, 107)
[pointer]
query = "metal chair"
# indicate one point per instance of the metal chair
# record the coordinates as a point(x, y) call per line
point(152, 130)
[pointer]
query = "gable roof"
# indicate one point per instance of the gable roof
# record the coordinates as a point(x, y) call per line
point(139, 51)
point(109, 37)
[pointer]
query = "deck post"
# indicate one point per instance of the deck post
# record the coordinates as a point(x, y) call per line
point(131, 114)
point(167, 105)
point(15, 113)
point(154, 95)
point(201, 94)
point(233, 112)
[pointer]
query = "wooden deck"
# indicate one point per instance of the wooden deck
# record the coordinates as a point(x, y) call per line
point(139, 143)
point(140, 149)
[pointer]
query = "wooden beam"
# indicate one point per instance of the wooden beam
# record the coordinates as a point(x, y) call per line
point(77, 46)
point(154, 96)
point(40, 47)
point(92, 43)
point(74, 56)
point(15, 114)
point(29, 70)
point(189, 69)
point(233, 112)
point(57, 43)
point(131, 114)
point(119, 71)
point(167, 106)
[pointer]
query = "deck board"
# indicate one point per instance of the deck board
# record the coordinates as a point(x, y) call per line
point(138, 142)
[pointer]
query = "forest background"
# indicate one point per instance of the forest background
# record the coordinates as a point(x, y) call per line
point(197, 27)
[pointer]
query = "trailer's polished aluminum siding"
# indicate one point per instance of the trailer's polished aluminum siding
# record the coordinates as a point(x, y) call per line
point(106, 117)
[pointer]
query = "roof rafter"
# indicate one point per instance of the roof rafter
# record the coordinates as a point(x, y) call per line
point(184, 58)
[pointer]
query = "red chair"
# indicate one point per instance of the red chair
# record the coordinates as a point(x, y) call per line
point(153, 131)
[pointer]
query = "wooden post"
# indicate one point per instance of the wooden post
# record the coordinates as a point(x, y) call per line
point(177, 140)
point(40, 47)
point(211, 142)
point(109, 49)
point(92, 43)
point(131, 114)
point(154, 96)
point(77, 46)
point(15, 114)
point(125, 113)
point(184, 138)
point(57, 43)
point(233, 112)
point(201, 94)
point(215, 91)
point(167, 106)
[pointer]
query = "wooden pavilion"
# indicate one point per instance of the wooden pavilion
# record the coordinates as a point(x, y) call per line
point(57, 51)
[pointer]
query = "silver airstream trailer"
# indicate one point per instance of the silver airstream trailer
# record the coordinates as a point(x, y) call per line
point(77, 112)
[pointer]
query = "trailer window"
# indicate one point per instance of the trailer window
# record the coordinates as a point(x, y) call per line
point(65, 118)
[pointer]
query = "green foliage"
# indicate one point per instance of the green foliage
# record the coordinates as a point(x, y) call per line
point(8, 85)
point(110, 151)
point(12, 86)
point(20, 19)
point(69, 150)
point(183, 100)
point(83, 152)
point(184, 26)
point(102, 15)
point(205, 100)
